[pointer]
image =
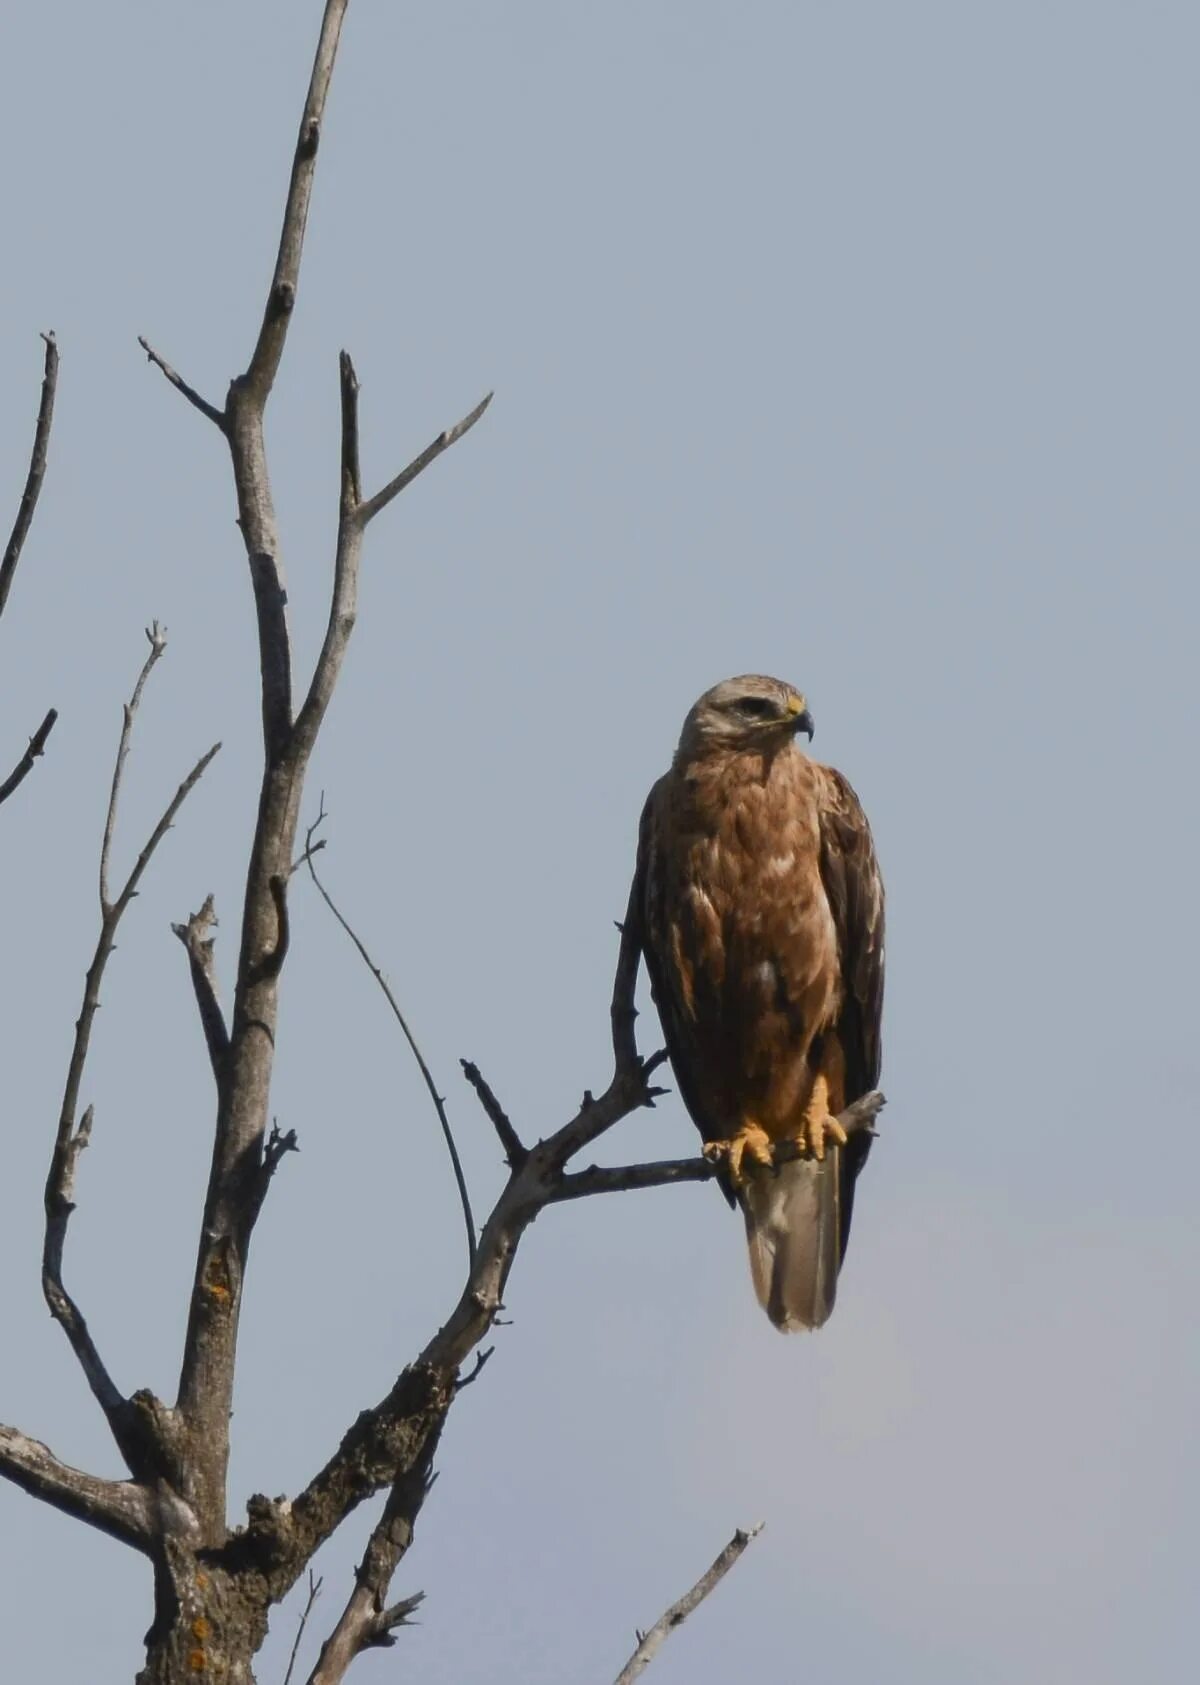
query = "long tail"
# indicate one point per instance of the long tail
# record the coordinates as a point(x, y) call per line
point(793, 1228)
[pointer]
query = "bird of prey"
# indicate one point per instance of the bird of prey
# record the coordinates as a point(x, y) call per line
point(760, 908)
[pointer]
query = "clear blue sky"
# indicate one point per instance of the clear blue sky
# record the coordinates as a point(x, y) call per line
point(854, 343)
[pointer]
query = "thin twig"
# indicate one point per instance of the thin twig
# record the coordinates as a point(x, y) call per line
point(37, 471)
point(515, 1150)
point(157, 637)
point(314, 1591)
point(373, 505)
point(24, 766)
point(438, 1100)
point(651, 1642)
point(216, 416)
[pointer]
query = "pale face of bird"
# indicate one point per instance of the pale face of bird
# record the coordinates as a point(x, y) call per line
point(747, 712)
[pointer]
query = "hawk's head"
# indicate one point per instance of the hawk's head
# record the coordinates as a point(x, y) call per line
point(744, 713)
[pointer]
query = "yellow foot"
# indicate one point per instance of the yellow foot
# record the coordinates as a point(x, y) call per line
point(816, 1130)
point(750, 1141)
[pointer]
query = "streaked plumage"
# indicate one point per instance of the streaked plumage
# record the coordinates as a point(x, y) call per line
point(761, 911)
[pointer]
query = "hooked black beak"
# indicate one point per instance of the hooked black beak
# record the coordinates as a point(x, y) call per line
point(804, 722)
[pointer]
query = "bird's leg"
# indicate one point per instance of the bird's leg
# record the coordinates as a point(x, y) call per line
point(749, 1141)
point(818, 1121)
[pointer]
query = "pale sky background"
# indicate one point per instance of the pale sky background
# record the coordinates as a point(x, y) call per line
point(849, 342)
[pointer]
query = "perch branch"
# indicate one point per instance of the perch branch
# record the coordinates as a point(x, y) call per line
point(118, 1508)
point(37, 745)
point(37, 471)
point(857, 1119)
point(386, 1444)
point(652, 1642)
point(439, 1103)
point(199, 945)
point(216, 416)
point(368, 510)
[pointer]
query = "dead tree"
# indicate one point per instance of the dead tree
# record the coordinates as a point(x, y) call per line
point(216, 1579)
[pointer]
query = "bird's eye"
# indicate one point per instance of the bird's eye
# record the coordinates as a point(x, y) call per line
point(758, 707)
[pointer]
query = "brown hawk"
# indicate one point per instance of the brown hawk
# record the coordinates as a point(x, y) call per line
point(761, 912)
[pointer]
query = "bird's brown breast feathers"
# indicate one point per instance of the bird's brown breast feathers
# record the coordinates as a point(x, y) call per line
point(740, 940)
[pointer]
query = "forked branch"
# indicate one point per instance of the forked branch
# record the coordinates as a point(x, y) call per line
point(70, 1138)
point(368, 1619)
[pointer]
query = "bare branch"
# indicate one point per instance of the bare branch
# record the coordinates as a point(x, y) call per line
point(37, 471)
point(157, 637)
point(199, 944)
point(281, 299)
point(118, 1508)
point(439, 1103)
point(37, 745)
point(515, 1150)
point(69, 1140)
point(216, 416)
point(368, 510)
point(314, 1591)
point(653, 1641)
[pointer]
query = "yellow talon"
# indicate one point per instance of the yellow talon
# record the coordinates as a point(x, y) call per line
point(818, 1122)
point(751, 1141)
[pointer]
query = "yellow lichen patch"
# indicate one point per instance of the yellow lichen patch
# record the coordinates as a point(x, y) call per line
point(197, 1661)
point(216, 1284)
point(200, 1629)
point(201, 1582)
